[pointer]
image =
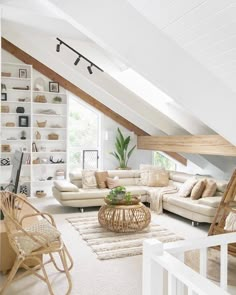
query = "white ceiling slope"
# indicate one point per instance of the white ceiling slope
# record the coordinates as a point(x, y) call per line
point(158, 57)
point(150, 113)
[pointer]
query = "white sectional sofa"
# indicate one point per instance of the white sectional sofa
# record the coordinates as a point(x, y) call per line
point(202, 210)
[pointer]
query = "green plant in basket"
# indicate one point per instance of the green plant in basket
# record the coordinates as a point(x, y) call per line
point(118, 194)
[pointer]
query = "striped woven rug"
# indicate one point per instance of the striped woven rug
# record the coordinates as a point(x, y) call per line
point(110, 245)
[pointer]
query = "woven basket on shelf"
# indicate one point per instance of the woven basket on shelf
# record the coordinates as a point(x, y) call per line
point(40, 98)
point(53, 136)
point(41, 124)
point(10, 124)
point(40, 194)
point(5, 109)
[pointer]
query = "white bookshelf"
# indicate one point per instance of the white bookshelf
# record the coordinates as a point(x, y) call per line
point(56, 122)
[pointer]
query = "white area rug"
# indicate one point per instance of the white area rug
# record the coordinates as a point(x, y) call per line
point(109, 245)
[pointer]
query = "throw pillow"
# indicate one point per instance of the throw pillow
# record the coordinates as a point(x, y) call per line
point(158, 178)
point(112, 182)
point(101, 178)
point(187, 186)
point(230, 222)
point(144, 177)
point(89, 179)
point(197, 190)
point(42, 230)
point(210, 188)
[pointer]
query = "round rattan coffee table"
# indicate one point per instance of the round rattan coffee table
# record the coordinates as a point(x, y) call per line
point(124, 218)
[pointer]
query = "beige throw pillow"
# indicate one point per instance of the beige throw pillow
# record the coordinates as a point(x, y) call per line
point(197, 190)
point(187, 186)
point(210, 188)
point(112, 182)
point(101, 178)
point(144, 177)
point(230, 222)
point(89, 179)
point(42, 230)
point(158, 178)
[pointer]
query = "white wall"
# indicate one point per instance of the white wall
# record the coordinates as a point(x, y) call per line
point(109, 127)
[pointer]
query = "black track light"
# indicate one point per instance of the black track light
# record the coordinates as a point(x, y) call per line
point(79, 56)
point(58, 47)
point(90, 69)
point(77, 60)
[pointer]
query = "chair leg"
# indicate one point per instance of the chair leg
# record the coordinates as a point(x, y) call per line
point(46, 279)
point(62, 254)
point(11, 275)
point(66, 256)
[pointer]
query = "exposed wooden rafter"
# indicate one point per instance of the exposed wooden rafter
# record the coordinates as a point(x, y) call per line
point(193, 144)
point(43, 69)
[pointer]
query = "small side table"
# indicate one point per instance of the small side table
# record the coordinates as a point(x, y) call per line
point(124, 218)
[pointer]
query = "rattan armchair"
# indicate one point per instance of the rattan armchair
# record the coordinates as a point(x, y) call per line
point(15, 210)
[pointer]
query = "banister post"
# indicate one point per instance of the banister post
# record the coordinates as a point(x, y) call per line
point(152, 272)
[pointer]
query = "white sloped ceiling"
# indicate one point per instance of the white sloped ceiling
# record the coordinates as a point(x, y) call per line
point(156, 118)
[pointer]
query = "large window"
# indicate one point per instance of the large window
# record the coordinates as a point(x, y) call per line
point(163, 162)
point(83, 133)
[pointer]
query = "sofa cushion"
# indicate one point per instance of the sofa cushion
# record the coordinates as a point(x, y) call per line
point(191, 205)
point(197, 190)
point(179, 176)
point(136, 190)
point(65, 186)
point(124, 173)
point(89, 179)
point(230, 222)
point(42, 230)
point(210, 188)
point(84, 194)
point(210, 201)
point(158, 178)
point(112, 182)
point(186, 188)
point(101, 178)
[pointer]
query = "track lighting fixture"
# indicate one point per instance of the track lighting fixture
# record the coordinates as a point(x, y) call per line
point(58, 47)
point(77, 60)
point(79, 56)
point(90, 69)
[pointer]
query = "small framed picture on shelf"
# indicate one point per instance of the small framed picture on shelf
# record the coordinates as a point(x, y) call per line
point(23, 121)
point(53, 87)
point(22, 73)
point(3, 96)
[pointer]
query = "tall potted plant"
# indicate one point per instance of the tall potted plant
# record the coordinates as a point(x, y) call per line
point(121, 153)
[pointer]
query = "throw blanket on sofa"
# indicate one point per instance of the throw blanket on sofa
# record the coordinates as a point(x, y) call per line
point(156, 197)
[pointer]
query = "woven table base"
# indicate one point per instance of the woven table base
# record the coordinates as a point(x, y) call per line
point(124, 218)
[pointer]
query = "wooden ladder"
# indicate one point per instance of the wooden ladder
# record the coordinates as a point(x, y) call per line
point(227, 205)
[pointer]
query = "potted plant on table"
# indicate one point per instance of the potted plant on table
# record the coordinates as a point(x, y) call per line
point(118, 195)
point(121, 153)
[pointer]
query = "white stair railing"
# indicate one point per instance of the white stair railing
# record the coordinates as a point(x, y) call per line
point(159, 258)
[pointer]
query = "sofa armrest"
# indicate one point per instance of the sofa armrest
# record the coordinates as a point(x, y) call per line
point(65, 186)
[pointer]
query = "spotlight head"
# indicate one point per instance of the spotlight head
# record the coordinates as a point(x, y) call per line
point(77, 61)
point(90, 69)
point(58, 47)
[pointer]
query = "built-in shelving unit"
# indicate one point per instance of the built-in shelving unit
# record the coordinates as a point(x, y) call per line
point(44, 127)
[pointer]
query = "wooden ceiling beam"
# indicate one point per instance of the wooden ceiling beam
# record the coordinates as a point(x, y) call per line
point(43, 69)
point(193, 144)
